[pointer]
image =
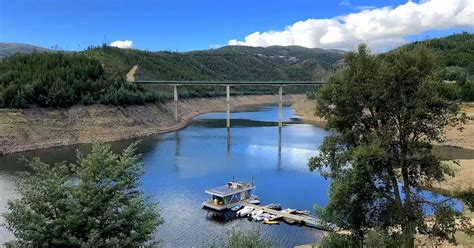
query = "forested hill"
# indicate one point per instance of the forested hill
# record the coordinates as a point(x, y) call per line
point(456, 57)
point(455, 52)
point(97, 75)
point(62, 80)
point(226, 63)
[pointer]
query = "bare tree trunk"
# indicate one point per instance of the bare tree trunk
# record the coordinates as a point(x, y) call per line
point(408, 225)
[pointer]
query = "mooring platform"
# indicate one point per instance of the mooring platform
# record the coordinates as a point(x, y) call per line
point(301, 219)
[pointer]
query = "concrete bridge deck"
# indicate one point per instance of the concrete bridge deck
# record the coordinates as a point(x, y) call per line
point(227, 83)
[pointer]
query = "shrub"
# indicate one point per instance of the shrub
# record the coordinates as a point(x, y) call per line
point(93, 203)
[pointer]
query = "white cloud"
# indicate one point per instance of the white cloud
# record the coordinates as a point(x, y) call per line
point(380, 28)
point(122, 44)
point(364, 7)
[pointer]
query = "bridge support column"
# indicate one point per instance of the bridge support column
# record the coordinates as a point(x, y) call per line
point(175, 102)
point(228, 105)
point(280, 106)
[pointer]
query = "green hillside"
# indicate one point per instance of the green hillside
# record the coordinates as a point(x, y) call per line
point(97, 75)
point(456, 56)
point(62, 80)
point(455, 52)
point(226, 63)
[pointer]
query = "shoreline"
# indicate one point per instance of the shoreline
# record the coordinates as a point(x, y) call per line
point(454, 138)
point(39, 128)
point(306, 109)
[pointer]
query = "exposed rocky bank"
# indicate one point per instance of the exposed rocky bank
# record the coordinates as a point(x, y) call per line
point(36, 128)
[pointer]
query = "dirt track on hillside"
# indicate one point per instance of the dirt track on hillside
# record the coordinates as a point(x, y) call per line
point(131, 73)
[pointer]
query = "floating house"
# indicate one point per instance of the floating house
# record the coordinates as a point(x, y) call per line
point(227, 196)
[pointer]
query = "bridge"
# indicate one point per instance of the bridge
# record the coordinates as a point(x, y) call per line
point(229, 84)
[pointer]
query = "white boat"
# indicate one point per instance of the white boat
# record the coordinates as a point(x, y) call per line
point(254, 201)
point(261, 217)
point(288, 211)
point(270, 217)
point(274, 206)
point(244, 211)
point(256, 213)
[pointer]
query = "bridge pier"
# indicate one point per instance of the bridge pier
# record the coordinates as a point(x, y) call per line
point(176, 102)
point(228, 105)
point(175, 84)
point(280, 106)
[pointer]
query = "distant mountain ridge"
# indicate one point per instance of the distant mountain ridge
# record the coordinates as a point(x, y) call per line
point(226, 63)
point(456, 54)
point(9, 48)
point(97, 75)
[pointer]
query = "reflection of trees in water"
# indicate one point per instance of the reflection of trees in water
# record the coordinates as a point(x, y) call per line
point(11, 162)
point(216, 123)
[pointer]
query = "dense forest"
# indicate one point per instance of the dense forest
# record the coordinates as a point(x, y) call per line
point(62, 80)
point(226, 63)
point(97, 75)
point(456, 56)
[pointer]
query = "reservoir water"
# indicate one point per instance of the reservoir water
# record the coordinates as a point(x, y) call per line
point(180, 165)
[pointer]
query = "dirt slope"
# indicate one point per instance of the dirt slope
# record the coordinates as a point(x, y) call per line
point(34, 128)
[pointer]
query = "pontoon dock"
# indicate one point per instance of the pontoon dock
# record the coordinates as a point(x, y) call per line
point(307, 220)
point(239, 193)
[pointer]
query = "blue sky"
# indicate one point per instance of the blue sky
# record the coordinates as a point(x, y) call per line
point(183, 25)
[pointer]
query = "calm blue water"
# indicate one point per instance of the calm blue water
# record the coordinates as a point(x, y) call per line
point(180, 165)
point(185, 163)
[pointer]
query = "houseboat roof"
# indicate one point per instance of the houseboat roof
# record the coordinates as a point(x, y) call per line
point(231, 188)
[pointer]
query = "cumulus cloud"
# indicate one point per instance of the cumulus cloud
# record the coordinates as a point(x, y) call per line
point(380, 28)
point(122, 43)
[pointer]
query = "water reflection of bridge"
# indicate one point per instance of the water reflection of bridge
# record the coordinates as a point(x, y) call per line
point(229, 84)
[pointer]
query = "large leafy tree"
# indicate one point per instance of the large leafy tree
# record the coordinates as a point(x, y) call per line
point(385, 112)
point(94, 203)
